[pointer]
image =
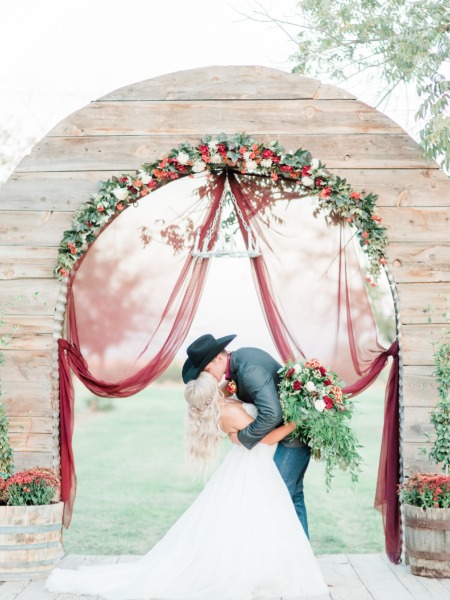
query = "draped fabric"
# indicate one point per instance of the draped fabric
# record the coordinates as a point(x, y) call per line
point(134, 294)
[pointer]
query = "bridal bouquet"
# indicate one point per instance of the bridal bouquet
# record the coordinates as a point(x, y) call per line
point(313, 397)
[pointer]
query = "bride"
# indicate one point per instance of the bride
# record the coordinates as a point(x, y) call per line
point(241, 538)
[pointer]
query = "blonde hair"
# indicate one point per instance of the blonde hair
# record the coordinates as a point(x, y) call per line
point(203, 440)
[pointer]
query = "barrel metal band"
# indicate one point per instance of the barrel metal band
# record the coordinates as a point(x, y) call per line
point(31, 528)
point(429, 555)
point(427, 524)
point(34, 563)
point(39, 546)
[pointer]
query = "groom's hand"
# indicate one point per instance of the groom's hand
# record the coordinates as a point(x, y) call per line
point(234, 438)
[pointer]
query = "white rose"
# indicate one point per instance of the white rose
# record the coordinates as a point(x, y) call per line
point(183, 158)
point(297, 368)
point(212, 145)
point(198, 166)
point(315, 163)
point(310, 386)
point(145, 177)
point(266, 163)
point(251, 165)
point(246, 155)
point(319, 405)
point(121, 193)
point(216, 158)
point(308, 181)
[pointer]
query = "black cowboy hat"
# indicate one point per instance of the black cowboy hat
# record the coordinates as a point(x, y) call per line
point(201, 352)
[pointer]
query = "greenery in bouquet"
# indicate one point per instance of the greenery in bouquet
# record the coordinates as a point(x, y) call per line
point(426, 490)
point(31, 487)
point(312, 396)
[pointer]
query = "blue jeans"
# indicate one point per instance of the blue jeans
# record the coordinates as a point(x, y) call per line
point(292, 464)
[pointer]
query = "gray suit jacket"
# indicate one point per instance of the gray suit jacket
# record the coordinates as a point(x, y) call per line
point(256, 377)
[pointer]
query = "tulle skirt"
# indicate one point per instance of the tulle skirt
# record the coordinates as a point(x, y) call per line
point(240, 540)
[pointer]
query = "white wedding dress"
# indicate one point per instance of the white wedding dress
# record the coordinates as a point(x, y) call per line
point(240, 540)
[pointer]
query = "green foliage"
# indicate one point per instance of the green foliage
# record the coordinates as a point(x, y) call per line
point(6, 452)
point(440, 417)
point(311, 396)
point(394, 41)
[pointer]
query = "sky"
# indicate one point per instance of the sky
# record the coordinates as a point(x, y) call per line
point(57, 56)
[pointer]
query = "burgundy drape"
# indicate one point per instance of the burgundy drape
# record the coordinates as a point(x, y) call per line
point(350, 333)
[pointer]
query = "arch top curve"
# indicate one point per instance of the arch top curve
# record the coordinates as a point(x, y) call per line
point(220, 82)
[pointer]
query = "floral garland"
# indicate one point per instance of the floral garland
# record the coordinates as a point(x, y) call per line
point(243, 154)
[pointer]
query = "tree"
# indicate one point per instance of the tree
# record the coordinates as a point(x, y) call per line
point(393, 41)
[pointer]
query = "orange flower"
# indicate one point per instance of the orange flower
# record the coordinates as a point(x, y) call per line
point(144, 192)
point(119, 206)
point(232, 387)
point(138, 183)
point(355, 196)
point(312, 363)
point(274, 176)
point(365, 235)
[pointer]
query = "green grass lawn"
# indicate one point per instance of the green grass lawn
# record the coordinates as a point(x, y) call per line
point(132, 481)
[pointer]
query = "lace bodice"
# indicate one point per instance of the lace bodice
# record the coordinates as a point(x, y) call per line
point(250, 409)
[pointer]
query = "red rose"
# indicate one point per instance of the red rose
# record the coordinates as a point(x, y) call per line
point(328, 402)
point(287, 168)
point(319, 182)
point(267, 153)
point(306, 171)
point(124, 179)
point(322, 370)
point(297, 385)
point(221, 148)
point(325, 193)
point(203, 149)
point(327, 382)
point(276, 160)
point(289, 373)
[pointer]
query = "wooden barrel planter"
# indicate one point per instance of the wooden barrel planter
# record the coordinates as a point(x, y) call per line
point(30, 540)
point(427, 537)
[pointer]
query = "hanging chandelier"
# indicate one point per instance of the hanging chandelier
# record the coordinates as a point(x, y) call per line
point(229, 240)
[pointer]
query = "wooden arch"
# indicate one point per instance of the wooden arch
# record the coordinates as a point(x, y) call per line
point(134, 125)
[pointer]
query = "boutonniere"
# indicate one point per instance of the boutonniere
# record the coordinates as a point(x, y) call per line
point(232, 387)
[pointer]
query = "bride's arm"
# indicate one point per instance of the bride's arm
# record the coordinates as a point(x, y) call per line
point(234, 418)
point(276, 435)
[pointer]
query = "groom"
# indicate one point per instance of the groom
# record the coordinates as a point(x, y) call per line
point(255, 375)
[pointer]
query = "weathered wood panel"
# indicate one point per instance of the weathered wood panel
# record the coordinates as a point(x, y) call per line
point(407, 224)
point(21, 398)
point(416, 424)
point(318, 117)
point(416, 298)
point(29, 332)
point(30, 424)
point(33, 228)
point(27, 441)
point(419, 386)
point(230, 83)
point(56, 191)
point(127, 153)
point(419, 262)
point(32, 366)
point(27, 460)
point(19, 262)
point(66, 190)
point(414, 461)
point(30, 296)
point(416, 340)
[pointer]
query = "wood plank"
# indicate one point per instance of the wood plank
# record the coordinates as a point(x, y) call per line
point(414, 461)
point(378, 578)
point(416, 424)
point(342, 579)
point(24, 460)
point(127, 153)
point(30, 424)
point(58, 191)
point(227, 82)
point(27, 441)
point(65, 191)
point(26, 365)
point(33, 228)
point(421, 262)
point(419, 386)
point(18, 262)
point(430, 224)
point(415, 298)
point(416, 342)
point(324, 117)
point(401, 187)
point(21, 398)
point(420, 588)
point(29, 332)
point(35, 297)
